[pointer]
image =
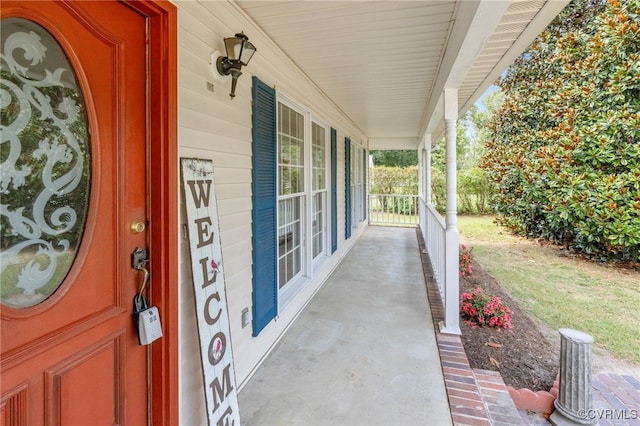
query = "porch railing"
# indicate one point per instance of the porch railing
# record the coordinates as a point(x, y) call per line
point(434, 231)
point(393, 209)
point(442, 245)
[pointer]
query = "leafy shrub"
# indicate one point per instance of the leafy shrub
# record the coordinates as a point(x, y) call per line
point(439, 190)
point(479, 309)
point(475, 189)
point(565, 151)
point(465, 258)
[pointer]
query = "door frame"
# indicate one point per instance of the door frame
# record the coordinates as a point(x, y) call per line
point(163, 201)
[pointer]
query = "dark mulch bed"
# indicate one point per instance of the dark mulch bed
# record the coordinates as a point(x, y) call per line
point(525, 359)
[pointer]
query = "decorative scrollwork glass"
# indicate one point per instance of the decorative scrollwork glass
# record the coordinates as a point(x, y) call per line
point(44, 164)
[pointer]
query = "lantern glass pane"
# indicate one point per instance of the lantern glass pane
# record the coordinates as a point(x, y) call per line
point(247, 53)
point(233, 45)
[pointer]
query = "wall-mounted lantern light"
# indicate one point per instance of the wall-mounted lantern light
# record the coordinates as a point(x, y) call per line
point(239, 53)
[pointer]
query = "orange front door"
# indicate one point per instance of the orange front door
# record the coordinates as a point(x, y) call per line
point(74, 154)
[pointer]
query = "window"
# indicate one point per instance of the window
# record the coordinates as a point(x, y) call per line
point(358, 184)
point(302, 196)
point(291, 194)
point(319, 189)
point(362, 184)
point(35, 98)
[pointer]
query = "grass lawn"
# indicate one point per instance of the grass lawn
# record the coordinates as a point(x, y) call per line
point(559, 289)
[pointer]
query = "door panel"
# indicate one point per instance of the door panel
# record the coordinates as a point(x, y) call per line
point(71, 394)
point(74, 357)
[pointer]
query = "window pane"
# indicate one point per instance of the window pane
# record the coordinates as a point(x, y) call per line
point(293, 123)
point(291, 149)
point(289, 238)
point(46, 166)
point(295, 263)
point(300, 132)
point(318, 154)
point(320, 179)
point(285, 126)
point(318, 223)
point(285, 149)
point(301, 152)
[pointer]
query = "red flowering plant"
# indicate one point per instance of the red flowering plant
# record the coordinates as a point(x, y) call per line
point(465, 257)
point(479, 309)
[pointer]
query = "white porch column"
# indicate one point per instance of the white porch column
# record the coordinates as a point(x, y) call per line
point(451, 324)
point(427, 168)
point(421, 171)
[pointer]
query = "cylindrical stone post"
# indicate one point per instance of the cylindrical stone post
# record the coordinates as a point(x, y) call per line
point(574, 405)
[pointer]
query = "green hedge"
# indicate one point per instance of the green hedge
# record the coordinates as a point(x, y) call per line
point(474, 188)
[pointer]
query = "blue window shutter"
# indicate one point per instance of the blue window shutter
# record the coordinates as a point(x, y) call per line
point(334, 190)
point(347, 188)
point(264, 198)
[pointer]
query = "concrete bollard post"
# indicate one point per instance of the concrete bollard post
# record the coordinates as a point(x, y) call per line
point(574, 405)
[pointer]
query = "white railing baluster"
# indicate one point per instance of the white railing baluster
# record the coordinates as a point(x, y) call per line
point(393, 209)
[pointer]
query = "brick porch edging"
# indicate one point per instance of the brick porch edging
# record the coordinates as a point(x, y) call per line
point(476, 397)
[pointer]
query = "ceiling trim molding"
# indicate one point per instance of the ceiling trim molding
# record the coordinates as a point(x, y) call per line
point(545, 15)
point(393, 143)
point(474, 24)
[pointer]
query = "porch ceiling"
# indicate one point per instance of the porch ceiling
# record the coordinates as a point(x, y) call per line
point(385, 63)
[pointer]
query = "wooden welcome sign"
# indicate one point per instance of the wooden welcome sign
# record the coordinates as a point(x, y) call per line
point(210, 295)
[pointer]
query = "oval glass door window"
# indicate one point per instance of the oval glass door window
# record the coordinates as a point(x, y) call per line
point(45, 164)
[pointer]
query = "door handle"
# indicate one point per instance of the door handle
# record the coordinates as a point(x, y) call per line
point(139, 259)
point(146, 318)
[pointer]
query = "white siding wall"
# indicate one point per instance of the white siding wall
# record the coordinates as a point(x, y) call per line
point(213, 126)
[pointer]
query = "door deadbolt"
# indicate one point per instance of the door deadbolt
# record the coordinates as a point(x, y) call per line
point(139, 258)
point(137, 227)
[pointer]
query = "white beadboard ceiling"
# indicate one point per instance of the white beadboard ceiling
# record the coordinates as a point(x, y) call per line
point(385, 63)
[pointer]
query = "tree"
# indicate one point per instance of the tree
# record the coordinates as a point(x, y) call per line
point(394, 180)
point(474, 186)
point(477, 120)
point(395, 158)
point(565, 147)
point(439, 154)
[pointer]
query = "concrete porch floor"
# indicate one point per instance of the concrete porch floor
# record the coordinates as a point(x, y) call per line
point(364, 350)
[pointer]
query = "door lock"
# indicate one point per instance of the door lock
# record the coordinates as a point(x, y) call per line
point(138, 227)
point(139, 258)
